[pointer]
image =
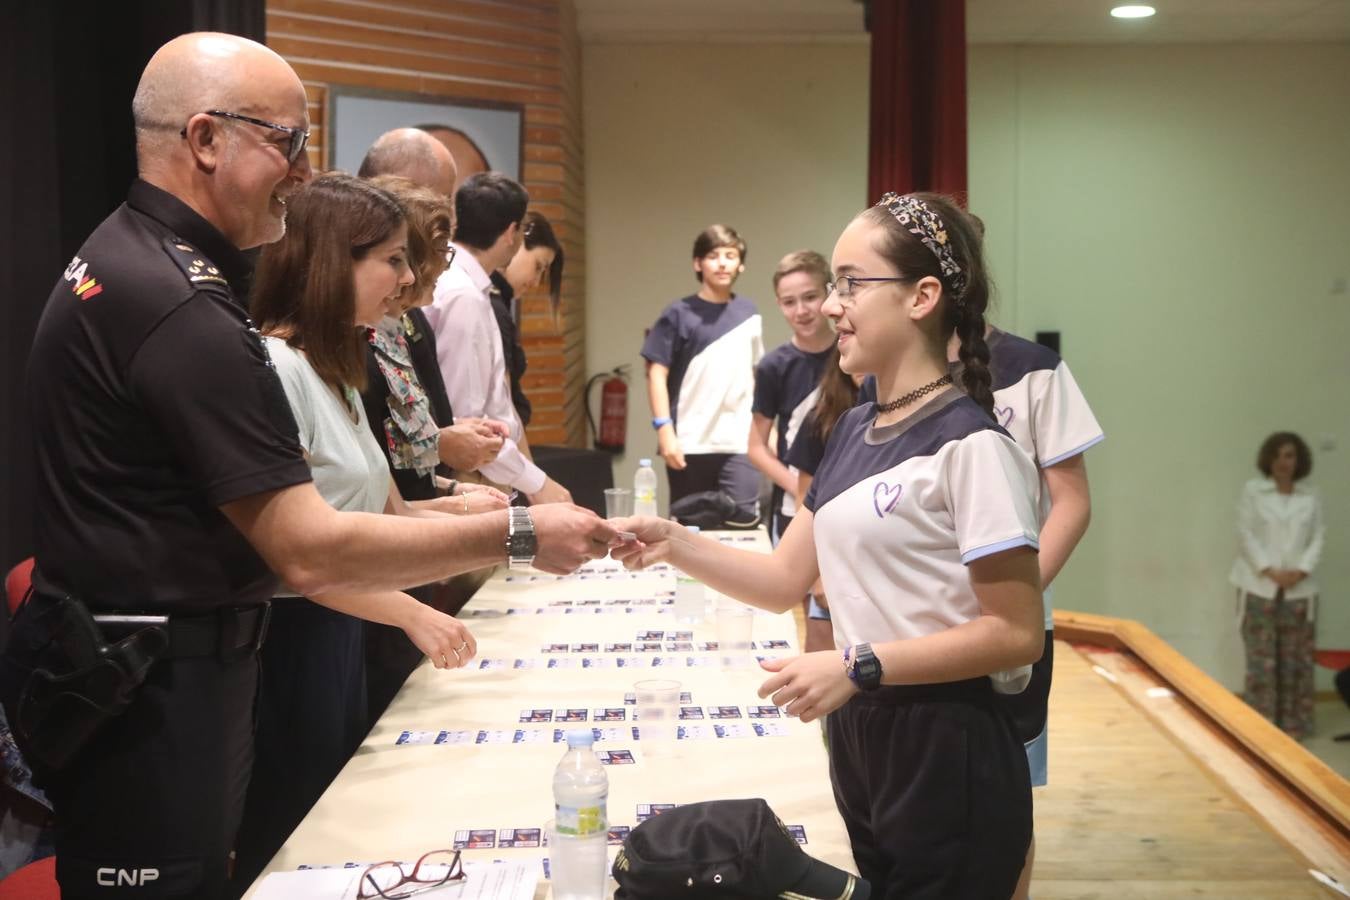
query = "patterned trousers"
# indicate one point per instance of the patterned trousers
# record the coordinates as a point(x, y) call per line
point(1279, 639)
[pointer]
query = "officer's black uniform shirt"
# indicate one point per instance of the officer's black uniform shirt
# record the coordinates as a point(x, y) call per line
point(153, 402)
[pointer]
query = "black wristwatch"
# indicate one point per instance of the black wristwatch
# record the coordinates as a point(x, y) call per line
point(863, 667)
point(521, 544)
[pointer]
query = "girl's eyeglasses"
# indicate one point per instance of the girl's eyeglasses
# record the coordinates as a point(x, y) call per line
point(845, 287)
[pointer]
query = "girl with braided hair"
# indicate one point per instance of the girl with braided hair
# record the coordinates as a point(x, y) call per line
point(922, 523)
point(1038, 402)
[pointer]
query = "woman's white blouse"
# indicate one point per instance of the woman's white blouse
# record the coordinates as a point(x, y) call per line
point(1277, 531)
point(350, 471)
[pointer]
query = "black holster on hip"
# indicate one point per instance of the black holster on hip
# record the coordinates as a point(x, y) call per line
point(63, 681)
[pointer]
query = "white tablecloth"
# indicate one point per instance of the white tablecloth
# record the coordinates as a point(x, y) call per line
point(396, 801)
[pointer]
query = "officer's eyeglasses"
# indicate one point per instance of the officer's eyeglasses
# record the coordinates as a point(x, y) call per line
point(389, 881)
point(299, 138)
point(846, 287)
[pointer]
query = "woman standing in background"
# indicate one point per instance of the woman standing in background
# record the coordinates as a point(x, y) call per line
point(1279, 545)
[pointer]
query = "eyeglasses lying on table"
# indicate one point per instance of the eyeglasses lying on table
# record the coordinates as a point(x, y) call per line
point(390, 880)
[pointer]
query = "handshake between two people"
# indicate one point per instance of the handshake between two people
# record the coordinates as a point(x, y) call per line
point(567, 537)
point(575, 536)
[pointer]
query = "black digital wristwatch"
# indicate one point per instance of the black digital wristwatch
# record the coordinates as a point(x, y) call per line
point(863, 667)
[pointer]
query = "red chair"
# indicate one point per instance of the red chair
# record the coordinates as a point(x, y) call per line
point(1335, 660)
point(35, 881)
point(17, 583)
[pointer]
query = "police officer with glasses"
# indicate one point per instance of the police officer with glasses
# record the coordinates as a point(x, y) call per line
point(172, 493)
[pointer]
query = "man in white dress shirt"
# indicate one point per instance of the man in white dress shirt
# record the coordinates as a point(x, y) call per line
point(489, 208)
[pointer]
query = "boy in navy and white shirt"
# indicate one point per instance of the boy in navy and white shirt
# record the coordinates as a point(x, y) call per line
point(787, 379)
point(1038, 402)
point(701, 356)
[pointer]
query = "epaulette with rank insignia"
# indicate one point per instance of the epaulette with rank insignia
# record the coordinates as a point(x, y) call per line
point(199, 270)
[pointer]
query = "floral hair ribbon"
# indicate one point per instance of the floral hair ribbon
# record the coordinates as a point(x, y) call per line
point(920, 220)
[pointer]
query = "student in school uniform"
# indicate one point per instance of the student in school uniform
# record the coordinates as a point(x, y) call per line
point(1038, 402)
point(928, 551)
point(787, 376)
point(836, 394)
point(701, 356)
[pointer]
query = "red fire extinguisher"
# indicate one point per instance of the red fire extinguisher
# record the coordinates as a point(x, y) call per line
point(613, 410)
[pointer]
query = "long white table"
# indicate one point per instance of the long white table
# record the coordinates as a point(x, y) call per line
point(396, 801)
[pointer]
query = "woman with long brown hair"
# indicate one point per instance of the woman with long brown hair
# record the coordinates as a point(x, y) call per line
point(540, 253)
point(336, 273)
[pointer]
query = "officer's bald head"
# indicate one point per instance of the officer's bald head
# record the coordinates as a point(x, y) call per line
point(206, 70)
point(219, 120)
point(415, 155)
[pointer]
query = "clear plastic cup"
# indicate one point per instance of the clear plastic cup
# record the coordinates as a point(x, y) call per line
point(618, 503)
point(658, 713)
point(735, 627)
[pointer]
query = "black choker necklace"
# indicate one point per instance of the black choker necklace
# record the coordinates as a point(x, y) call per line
point(914, 395)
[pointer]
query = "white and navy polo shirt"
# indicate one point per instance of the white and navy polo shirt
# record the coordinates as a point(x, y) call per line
point(711, 350)
point(787, 382)
point(1038, 402)
point(901, 510)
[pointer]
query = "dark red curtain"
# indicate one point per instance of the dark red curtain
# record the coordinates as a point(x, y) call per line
point(917, 134)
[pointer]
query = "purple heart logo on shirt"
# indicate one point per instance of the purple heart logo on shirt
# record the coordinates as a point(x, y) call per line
point(884, 498)
point(1004, 415)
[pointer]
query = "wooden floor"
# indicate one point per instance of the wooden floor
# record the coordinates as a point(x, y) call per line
point(1147, 801)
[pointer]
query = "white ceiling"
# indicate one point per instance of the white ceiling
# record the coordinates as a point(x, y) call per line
point(987, 21)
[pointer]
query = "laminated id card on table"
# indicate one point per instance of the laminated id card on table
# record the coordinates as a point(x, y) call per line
point(485, 881)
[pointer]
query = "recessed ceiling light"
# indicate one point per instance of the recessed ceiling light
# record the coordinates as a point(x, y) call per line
point(1133, 12)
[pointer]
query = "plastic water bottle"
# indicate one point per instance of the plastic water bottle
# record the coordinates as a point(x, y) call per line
point(689, 603)
point(578, 848)
point(644, 489)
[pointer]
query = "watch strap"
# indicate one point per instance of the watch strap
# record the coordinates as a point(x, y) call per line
point(521, 543)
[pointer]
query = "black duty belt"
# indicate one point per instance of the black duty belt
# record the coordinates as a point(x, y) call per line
point(229, 633)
